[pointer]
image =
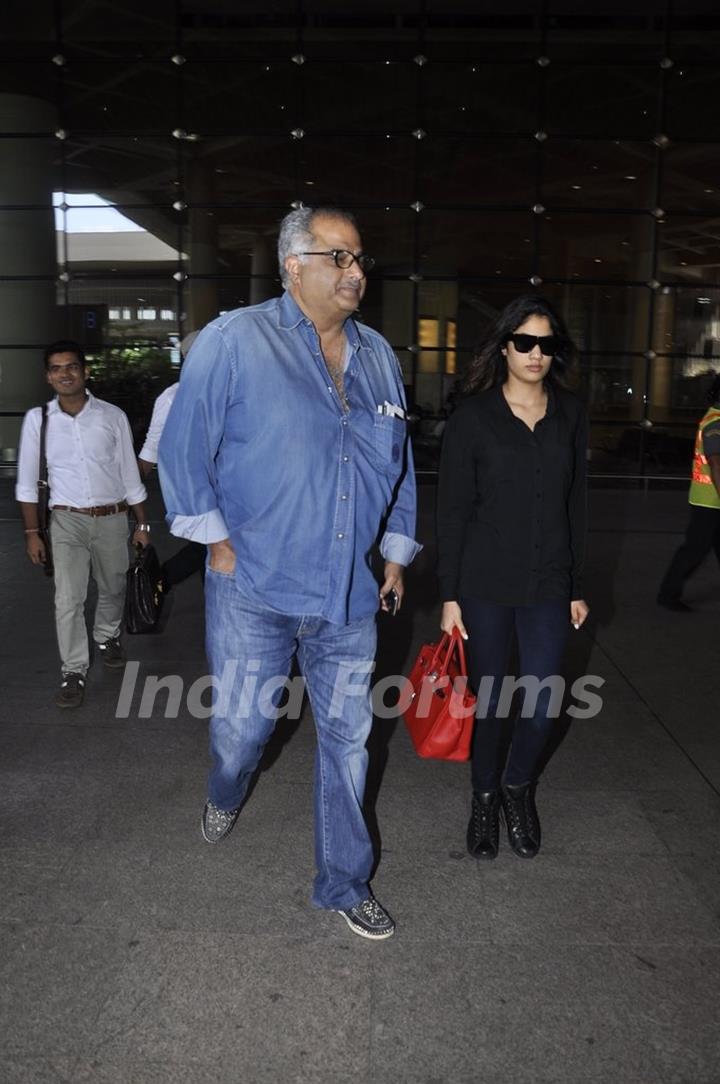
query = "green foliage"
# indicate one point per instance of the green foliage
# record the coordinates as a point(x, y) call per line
point(132, 377)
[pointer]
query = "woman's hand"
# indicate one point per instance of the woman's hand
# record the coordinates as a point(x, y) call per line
point(451, 618)
point(579, 610)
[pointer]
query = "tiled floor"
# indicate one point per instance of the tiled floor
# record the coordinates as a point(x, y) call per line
point(133, 953)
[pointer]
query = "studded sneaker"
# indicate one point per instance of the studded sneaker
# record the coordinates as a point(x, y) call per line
point(521, 819)
point(111, 653)
point(217, 823)
point(483, 830)
point(369, 919)
point(71, 691)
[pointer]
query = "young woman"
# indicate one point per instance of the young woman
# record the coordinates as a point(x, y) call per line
point(511, 527)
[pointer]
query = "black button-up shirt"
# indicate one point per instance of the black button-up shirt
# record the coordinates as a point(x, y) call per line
point(511, 501)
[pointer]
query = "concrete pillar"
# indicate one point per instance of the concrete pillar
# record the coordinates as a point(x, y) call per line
point(202, 294)
point(28, 310)
point(263, 262)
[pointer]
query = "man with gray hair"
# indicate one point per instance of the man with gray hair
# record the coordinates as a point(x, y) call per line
point(286, 451)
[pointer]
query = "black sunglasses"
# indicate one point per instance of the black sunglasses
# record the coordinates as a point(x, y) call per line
point(524, 343)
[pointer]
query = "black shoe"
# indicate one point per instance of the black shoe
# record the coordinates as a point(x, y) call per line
point(369, 919)
point(483, 830)
point(71, 692)
point(111, 653)
point(521, 819)
point(674, 604)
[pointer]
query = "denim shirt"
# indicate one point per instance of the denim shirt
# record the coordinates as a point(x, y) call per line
point(258, 448)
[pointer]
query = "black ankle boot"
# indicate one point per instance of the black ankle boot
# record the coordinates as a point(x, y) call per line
point(521, 819)
point(483, 831)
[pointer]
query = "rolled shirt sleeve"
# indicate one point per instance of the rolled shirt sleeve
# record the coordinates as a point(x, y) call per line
point(135, 492)
point(191, 439)
point(164, 401)
point(29, 458)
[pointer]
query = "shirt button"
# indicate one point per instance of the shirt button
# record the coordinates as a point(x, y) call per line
point(344, 421)
point(346, 459)
point(344, 497)
point(329, 387)
point(340, 535)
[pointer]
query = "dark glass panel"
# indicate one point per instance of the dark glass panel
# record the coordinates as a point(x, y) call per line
point(122, 170)
point(243, 96)
point(356, 170)
point(612, 101)
point(117, 96)
point(38, 80)
point(476, 244)
point(691, 96)
point(690, 177)
point(243, 169)
point(690, 249)
point(474, 97)
point(477, 171)
point(348, 95)
point(596, 246)
point(132, 29)
point(603, 318)
point(687, 322)
point(590, 173)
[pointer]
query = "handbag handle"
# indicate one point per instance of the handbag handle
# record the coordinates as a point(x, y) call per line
point(449, 643)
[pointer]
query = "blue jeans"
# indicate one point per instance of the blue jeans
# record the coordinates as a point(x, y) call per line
point(249, 645)
point(541, 634)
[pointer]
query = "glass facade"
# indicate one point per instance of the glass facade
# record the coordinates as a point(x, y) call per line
point(488, 149)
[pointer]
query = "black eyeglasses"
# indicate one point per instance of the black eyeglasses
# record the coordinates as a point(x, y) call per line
point(524, 343)
point(344, 258)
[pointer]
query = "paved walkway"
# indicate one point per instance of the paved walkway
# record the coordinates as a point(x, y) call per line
point(133, 953)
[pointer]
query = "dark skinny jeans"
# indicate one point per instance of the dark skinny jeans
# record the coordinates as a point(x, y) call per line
point(541, 632)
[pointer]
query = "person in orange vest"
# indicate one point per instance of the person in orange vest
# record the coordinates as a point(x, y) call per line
point(703, 530)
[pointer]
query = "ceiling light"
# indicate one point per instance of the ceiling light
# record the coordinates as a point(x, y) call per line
point(630, 177)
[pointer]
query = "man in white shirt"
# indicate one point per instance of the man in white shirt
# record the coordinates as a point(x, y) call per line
point(93, 480)
point(191, 557)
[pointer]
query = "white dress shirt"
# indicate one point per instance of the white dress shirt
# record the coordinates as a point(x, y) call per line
point(157, 423)
point(90, 456)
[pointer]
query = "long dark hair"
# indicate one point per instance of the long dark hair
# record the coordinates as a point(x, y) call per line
point(489, 366)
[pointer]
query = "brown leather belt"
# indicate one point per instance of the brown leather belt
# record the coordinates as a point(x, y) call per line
point(98, 510)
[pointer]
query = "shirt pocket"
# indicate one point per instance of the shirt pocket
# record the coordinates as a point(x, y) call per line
point(101, 445)
point(389, 443)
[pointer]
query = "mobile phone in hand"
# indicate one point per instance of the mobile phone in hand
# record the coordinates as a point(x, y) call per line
point(392, 599)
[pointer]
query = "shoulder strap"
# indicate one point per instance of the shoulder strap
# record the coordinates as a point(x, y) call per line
point(42, 484)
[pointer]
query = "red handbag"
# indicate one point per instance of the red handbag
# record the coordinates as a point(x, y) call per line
point(441, 712)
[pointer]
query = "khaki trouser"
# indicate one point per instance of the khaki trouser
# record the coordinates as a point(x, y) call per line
point(81, 543)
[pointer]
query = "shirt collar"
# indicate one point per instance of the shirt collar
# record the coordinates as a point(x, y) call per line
point(54, 405)
point(291, 316)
